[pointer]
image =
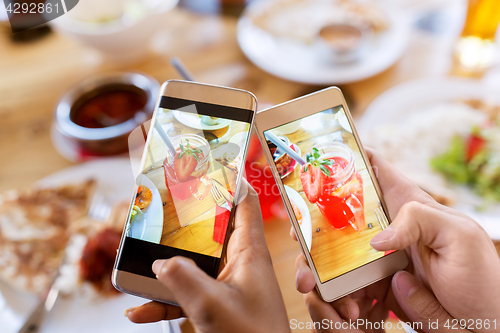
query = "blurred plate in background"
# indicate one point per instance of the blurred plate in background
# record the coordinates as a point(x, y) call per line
point(73, 314)
point(297, 60)
point(430, 110)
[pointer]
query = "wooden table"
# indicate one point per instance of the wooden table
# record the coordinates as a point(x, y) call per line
point(33, 76)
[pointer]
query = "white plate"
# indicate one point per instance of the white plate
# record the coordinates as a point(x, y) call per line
point(192, 120)
point(306, 225)
point(295, 61)
point(148, 226)
point(240, 139)
point(408, 98)
point(342, 119)
point(116, 183)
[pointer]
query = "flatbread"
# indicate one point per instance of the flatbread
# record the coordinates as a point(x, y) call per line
point(35, 227)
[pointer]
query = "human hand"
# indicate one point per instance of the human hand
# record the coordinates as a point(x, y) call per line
point(453, 272)
point(245, 297)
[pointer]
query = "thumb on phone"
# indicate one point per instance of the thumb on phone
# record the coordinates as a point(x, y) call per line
point(192, 288)
point(417, 222)
point(421, 306)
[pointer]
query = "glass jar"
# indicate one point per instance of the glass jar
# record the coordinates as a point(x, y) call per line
point(341, 195)
point(183, 189)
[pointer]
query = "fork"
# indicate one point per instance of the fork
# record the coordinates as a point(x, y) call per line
point(99, 209)
point(47, 302)
point(219, 198)
point(382, 219)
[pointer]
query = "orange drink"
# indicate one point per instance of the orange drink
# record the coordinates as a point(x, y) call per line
point(476, 47)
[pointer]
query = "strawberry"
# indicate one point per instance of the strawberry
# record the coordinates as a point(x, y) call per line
point(184, 166)
point(186, 160)
point(475, 145)
point(311, 182)
point(315, 174)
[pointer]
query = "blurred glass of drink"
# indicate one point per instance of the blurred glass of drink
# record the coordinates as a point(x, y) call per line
point(476, 48)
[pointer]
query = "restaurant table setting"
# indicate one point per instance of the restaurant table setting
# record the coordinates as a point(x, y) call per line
point(421, 78)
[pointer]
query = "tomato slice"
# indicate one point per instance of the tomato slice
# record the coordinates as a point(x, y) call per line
point(475, 144)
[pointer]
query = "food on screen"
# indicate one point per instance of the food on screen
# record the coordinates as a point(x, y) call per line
point(176, 186)
point(184, 170)
point(330, 180)
point(298, 213)
point(338, 192)
point(143, 197)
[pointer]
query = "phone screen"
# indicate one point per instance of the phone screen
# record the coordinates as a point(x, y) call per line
point(330, 189)
point(184, 196)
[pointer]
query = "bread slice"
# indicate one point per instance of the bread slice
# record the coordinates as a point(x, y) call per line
point(35, 227)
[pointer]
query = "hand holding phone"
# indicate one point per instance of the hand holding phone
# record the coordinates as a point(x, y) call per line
point(423, 293)
point(244, 298)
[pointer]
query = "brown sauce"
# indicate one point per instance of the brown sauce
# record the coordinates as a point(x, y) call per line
point(342, 36)
point(108, 106)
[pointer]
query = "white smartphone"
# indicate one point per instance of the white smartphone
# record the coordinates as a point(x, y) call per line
point(188, 184)
point(330, 191)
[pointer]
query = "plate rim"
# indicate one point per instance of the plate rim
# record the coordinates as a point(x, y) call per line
point(308, 241)
point(400, 20)
point(177, 115)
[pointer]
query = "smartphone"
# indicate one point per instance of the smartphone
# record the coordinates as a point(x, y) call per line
point(187, 185)
point(329, 190)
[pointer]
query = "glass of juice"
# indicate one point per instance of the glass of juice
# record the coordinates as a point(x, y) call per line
point(185, 169)
point(339, 185)
point(476, 48)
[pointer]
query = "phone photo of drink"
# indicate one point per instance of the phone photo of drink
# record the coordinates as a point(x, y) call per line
point(187, 185)
point(324, 175)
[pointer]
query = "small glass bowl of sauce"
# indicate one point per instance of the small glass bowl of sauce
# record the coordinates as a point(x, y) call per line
point(343, 42)
point(95, 118)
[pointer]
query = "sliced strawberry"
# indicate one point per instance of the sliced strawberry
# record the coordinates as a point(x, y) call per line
point(475, 145)
point(312, 182)
point(184, 166)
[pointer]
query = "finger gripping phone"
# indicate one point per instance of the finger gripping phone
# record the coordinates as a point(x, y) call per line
point(187, 184)
point(329, 190)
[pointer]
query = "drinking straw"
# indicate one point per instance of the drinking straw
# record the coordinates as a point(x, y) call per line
point(181, 69)
point(164, 137)
point(283, 147)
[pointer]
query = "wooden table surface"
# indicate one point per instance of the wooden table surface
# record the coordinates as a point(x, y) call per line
point(33, 76)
